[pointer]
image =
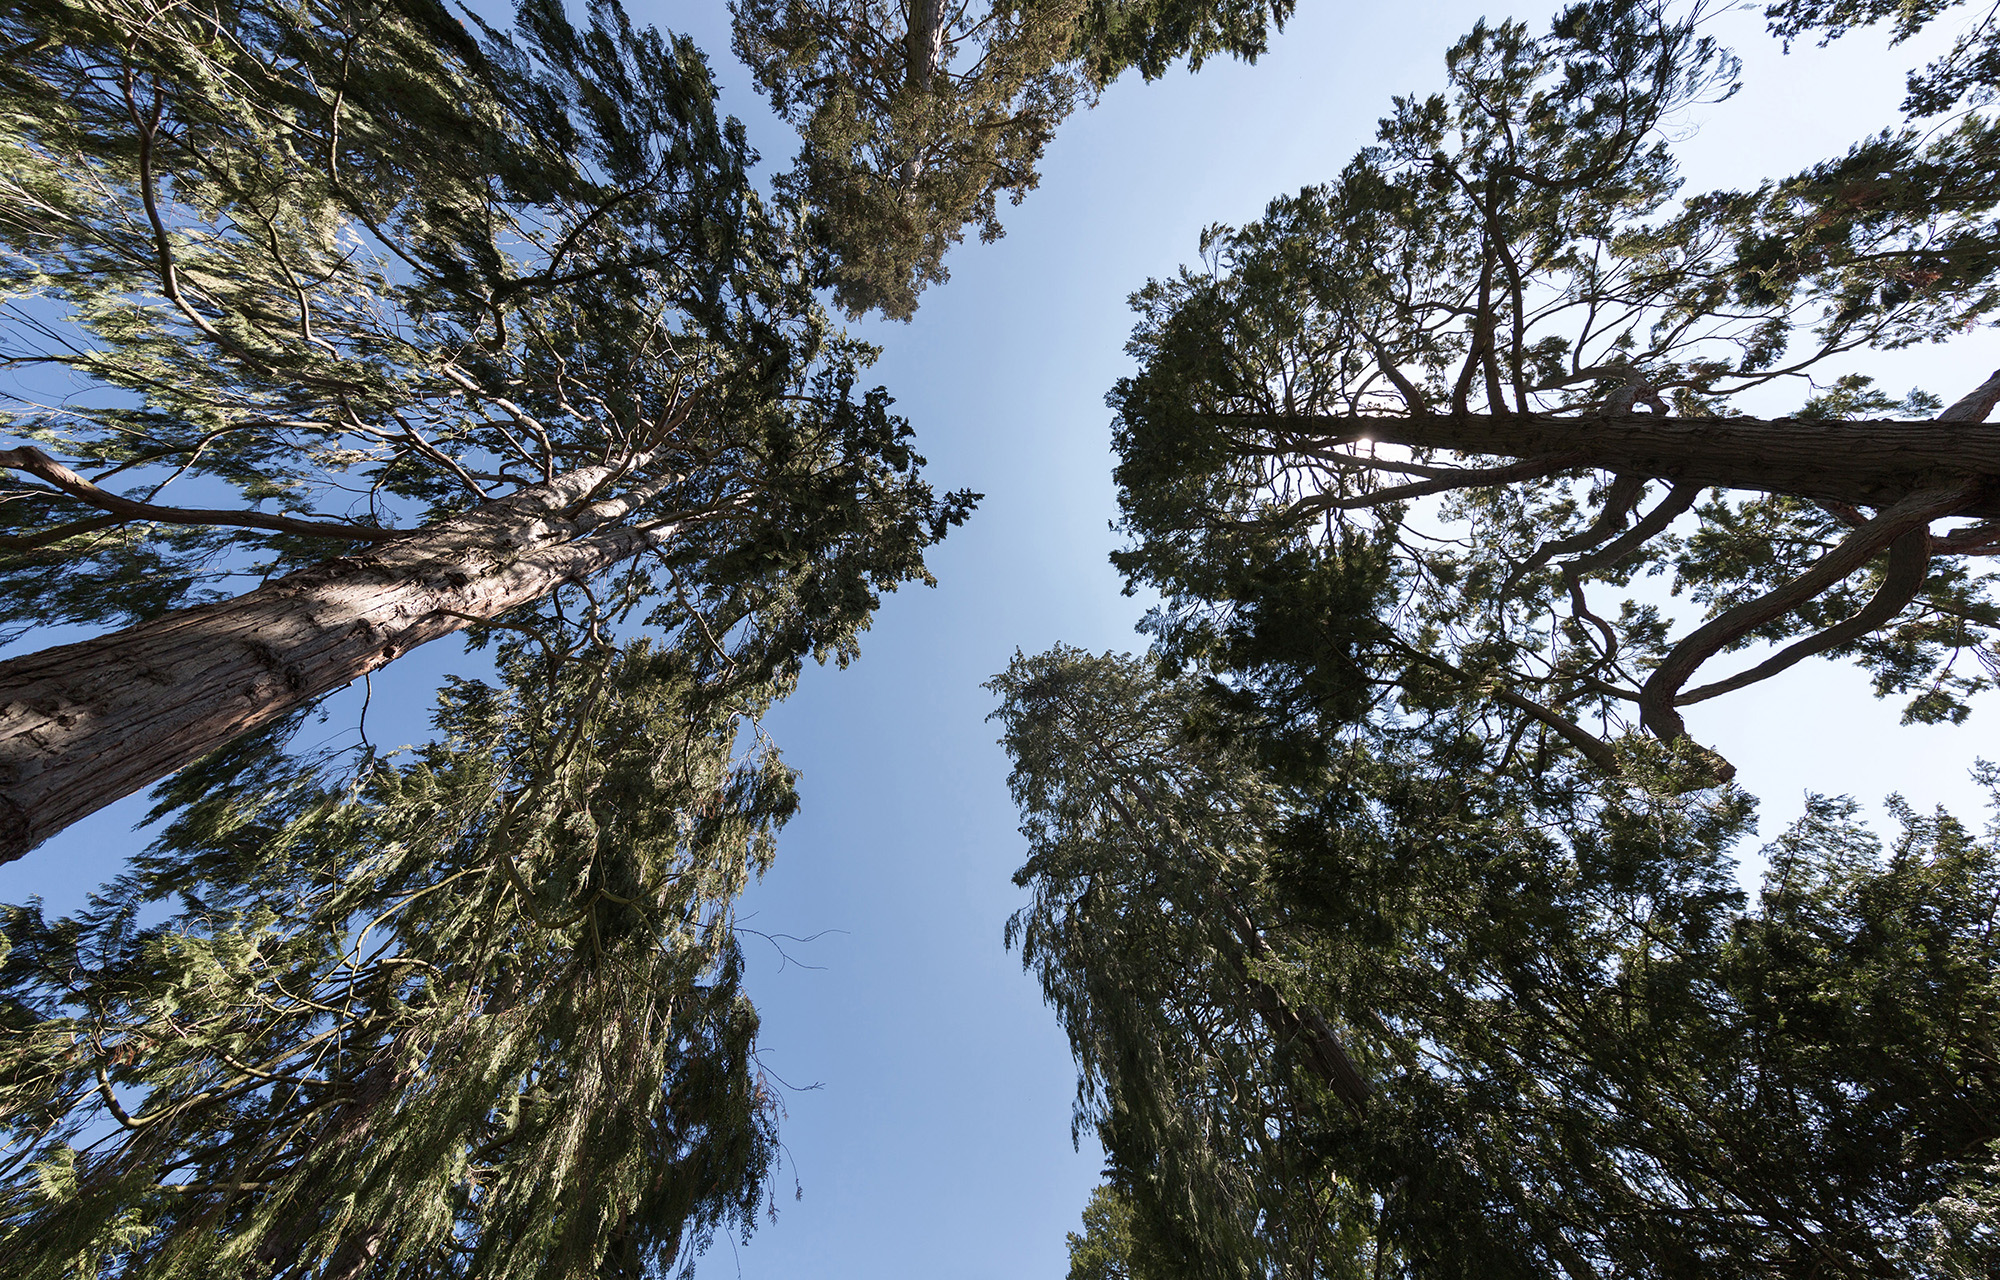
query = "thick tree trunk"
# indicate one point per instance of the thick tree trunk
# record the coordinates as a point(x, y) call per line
point(82, 725)
point(1872, 464)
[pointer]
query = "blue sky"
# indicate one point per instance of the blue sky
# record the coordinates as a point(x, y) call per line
point(937, 1143)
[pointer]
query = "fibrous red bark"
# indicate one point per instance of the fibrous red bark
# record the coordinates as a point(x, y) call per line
point(83, 725)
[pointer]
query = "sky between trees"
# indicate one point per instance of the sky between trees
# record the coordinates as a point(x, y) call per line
point(939, 1140)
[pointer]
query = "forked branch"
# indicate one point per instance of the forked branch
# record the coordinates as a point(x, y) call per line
point(1657, 698)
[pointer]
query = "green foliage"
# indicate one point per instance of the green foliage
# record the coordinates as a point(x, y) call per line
point(914, 121)
point(1109, 1248)
point(1368, 460)
point(352, 270)
point(1588, 1053)
point(473, 1012)
point(1507, 251)
point(307, 278)
point(916, 118)
point(1967, 72)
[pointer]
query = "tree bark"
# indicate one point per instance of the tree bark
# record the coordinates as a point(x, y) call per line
point(1872, 464)
point(83, 725)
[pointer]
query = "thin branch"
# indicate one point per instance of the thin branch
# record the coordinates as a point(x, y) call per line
point(1526, 469)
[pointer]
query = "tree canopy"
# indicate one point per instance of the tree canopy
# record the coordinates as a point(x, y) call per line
point(916, 116)
point(407, 328)
point(1394, 434)
point(1583, 1051)
point(1389, 908)
point(1387, 903)
point(426, 324)
point(474, 1010)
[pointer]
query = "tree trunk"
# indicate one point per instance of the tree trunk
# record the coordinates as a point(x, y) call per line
point(1325, 1056)
point(1871, 464)
point(83, 725)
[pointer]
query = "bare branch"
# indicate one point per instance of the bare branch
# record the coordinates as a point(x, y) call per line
point(40, 465)
point(1977, 403)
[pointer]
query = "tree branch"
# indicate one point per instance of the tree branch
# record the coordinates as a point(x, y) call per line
point(1976, 404)
point(1626, 490)
point(1526, 469)
point(1909, 568)
point(1657, 697)
point(1677, 502)
point(1864, 463)
point(40, 465)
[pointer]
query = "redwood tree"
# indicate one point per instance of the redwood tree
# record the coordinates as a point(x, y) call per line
point(399, 328)
point(1415, 429)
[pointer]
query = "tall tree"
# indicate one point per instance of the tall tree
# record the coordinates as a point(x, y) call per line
point(916, 116)
point(1148, 931)
point(409, 328)
point(1586, 1055)
point(474, 1011)
point(1461, 397)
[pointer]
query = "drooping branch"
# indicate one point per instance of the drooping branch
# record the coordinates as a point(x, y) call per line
point(40, 465)
point(45, 537)
point(1326, 1057)
point(1592, 747)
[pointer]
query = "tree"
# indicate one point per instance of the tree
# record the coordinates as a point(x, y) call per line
point(1146, 932)
point(1585, 1053)
point(1108, 1249)
point(916, 116)
point(1391, 436)
point(1385, 456)
point(429, 325)
point(475, 1011)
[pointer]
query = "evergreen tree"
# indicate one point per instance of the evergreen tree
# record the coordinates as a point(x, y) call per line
point(408, 328)
point(1419, 428)
point(1585, 1053)
point(916, 116)
point(1108, 1249)
point(474, 1011)
point(1392, 457)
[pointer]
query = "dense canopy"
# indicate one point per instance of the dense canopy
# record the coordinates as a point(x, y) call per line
point(1390, 911)
point(1451, 409)
point(426, 325)
point(1396, 923)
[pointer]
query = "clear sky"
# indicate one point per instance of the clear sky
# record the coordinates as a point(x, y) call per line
point(936, 1143)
